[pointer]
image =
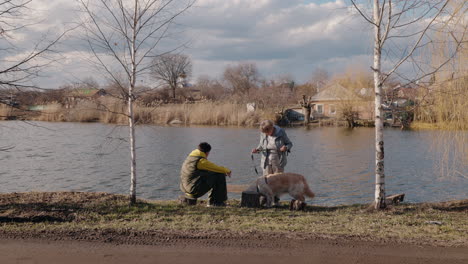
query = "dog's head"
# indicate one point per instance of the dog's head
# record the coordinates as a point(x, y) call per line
point(297, 205)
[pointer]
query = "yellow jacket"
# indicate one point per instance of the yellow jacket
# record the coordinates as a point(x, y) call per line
point(205, 164)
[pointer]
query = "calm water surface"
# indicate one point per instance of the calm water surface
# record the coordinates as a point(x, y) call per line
point(337, 162)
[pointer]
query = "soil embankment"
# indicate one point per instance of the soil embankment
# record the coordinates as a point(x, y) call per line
point(75, 227)
point(218, 250)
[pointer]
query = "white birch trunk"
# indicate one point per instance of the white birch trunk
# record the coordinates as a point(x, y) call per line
point(131, 120)
point(130, 42)
point(379, 200)
point(131, 125)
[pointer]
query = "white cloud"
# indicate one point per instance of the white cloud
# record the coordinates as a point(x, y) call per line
point(293, 36)
point(286, 36)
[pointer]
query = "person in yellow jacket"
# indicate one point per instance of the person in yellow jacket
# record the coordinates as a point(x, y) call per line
point(198, 176)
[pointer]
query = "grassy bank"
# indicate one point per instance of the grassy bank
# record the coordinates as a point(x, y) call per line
point(438, 223)
point(436, 126)
point(109, 110)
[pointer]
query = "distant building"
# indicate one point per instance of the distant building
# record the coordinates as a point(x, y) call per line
point(77, 95)
point(335, 98)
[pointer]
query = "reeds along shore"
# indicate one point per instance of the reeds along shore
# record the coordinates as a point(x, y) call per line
point(5, 112)
point(111, 110)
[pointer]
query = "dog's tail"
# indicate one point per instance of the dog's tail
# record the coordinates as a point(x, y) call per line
point(307, 190)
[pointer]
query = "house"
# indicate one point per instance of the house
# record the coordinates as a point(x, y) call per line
point(392, 94)
point(193, 94)
point(399, 105)
point(76, 95)
point(333, 99)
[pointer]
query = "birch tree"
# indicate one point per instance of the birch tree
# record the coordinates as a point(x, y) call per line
point(124, 36)
point(412, 22)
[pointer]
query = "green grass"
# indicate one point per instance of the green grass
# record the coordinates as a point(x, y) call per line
point(88, 211)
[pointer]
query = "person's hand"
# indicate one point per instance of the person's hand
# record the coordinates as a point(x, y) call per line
point(229, 174)
point(254, 150)
point(283, 148)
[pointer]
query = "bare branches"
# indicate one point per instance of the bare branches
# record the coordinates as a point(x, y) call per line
point(416, 43)
point(113, 28)
point(362, 13)
point(10, 11)
point(409, 21)
point(242, 78)
point(171, 69)
point(16, 69)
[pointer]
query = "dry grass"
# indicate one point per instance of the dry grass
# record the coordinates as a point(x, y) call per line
point(86, 111)
point(5, 111)
point(209, 113)
point(52, 113)
point(435, 223)
point(446, 107)
point(111, 110)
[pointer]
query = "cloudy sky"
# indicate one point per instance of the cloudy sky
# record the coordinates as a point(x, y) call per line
point(282, 37)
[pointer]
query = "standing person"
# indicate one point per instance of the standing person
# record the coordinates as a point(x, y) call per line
point(274, 145)
point(198, 176)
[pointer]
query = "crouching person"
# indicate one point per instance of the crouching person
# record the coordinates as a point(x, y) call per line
point(198, 176)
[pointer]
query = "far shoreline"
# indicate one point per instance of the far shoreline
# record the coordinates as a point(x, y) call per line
point(418, 126)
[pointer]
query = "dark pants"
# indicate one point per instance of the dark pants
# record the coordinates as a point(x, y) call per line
point(212, 182)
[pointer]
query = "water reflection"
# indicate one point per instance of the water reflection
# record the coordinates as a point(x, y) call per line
point(338, 162)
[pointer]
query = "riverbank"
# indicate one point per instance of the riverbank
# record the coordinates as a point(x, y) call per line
point(108, 218)
point(442, 126)
point(112, 111)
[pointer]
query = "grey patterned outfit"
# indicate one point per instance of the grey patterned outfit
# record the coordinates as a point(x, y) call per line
point(273, 160)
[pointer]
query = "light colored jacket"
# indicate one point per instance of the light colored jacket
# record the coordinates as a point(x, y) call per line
point(281, 140)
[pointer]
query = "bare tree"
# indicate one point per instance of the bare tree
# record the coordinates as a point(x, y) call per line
point(172, 70)
point(210, 88)
point(319, 78)
point(410, 21)
point(445, 100)
point(22, 69)
point(306, 105)
point(123, 37)
point(242, 78)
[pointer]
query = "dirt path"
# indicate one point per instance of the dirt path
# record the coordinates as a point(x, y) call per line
point(248, 250)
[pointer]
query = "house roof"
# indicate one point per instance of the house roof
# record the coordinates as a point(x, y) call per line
point(333, 92)
point(87, 92)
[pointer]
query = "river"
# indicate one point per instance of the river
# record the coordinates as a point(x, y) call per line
point(337, 162)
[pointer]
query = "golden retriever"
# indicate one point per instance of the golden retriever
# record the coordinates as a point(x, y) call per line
point(274, 185)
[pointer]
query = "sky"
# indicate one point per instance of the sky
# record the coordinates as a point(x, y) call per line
point(292, 37)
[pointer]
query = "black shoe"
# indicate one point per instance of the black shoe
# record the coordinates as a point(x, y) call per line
point(187, 201)
point(276, 203)
point(221, 204)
